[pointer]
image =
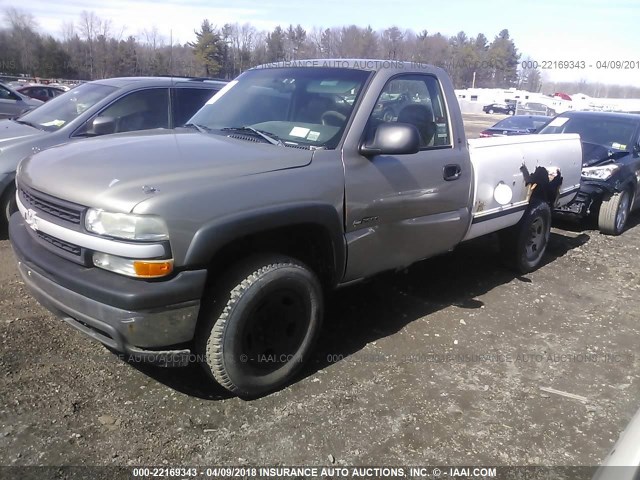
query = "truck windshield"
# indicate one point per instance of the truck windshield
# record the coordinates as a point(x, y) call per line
point(610, 132)
point(307, 107)
point(61, 110)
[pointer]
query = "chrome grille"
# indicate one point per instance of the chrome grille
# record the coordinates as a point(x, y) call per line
point(59, 209)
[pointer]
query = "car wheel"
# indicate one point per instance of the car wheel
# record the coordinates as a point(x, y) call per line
point(511, 112)
point(387, 115)
point(523, 246)
point(490, 110)
point(614, 212)
point(258, 330)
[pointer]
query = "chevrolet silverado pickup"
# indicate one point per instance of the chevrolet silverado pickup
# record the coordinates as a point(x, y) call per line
point(217, 241)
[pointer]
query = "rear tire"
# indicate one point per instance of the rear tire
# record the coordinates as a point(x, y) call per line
point(258, 330)
point(614, 212)
point(523, 246)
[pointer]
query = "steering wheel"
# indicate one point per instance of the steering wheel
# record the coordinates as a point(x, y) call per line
point(333, 118)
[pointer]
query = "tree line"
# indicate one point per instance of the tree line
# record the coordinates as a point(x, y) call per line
point(92, 47)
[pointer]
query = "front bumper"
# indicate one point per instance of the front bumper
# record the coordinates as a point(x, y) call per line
point(588, 197)
point(142, 319)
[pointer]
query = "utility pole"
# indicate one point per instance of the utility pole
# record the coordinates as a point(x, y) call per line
point(473, 83)
point(170, 51)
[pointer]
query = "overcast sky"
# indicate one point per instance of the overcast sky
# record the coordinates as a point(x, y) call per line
point(590, 30)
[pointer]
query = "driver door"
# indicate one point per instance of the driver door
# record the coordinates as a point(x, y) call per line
point(403, 208)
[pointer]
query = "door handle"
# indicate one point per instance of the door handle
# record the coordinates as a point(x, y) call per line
point(451, 172)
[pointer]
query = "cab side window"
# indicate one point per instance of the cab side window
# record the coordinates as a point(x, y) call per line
point(416, 100)
point(140, 110)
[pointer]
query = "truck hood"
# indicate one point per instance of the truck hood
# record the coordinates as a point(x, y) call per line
point(12, 132)
point(119, 171)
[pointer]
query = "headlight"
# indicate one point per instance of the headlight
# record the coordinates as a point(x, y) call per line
point(132, 267)
point(126, 225)
point(599, 173)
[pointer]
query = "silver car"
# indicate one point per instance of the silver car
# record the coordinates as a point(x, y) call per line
point(13, 104)
point(97, 108)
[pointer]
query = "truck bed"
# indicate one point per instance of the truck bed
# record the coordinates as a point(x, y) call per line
point(497, 162)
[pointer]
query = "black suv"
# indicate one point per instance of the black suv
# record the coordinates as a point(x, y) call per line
point(610, 165)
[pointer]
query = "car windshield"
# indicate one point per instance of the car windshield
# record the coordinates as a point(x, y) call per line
point(522, 121)
point(61, 110)
point(610, 132)
point(307, 107)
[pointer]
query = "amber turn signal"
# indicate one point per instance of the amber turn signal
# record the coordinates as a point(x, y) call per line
point(151, 269)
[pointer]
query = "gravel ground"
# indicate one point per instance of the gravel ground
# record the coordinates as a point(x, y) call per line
point(440, 364)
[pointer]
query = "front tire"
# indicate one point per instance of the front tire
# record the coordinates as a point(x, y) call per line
point(490, 110)
point(524, 245)
point(614, 212)
point(257, 332)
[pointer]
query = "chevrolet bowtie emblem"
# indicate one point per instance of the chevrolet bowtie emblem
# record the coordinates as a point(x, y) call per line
point(31, 218)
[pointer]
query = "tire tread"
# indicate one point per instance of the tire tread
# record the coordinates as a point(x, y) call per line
point(214, 350)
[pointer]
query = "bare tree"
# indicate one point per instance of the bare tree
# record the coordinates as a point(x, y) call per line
point(89, 26)
point(23, 29)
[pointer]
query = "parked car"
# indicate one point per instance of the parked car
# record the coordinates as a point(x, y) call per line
point(611, 166)
point(220, 240)
point(14, 103)
point(535, 108)
point(507, 108)
point(516, 125)
point(97, 108)
point(41, 92)
point(389, 105)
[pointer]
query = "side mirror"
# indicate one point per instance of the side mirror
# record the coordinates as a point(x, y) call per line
point(103, 125)
point(392, 139)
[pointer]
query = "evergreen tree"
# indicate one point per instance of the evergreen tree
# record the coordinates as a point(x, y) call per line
point(208, 49)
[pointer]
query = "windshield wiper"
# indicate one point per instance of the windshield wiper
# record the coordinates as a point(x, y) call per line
point(200, 128)
point(269, 137)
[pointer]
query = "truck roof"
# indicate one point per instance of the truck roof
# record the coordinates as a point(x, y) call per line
point(367, 64)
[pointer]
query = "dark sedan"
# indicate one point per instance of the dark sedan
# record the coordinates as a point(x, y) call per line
point(516, 125)
point(507, 108)
point(610, 166)
point(389, 105)
point(41, 92)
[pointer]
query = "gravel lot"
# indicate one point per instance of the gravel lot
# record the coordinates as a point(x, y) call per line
point(440, 364)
